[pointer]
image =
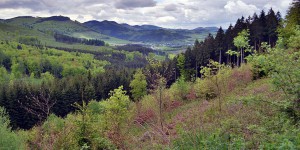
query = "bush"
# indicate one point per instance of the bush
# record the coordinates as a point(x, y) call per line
point(204, 89)
point(240, 77)
point(180, 89)
point(8, 139)
point(103, 143)
point(282, 65)
point(201, 140)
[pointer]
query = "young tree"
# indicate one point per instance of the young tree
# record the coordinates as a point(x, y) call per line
point(241, 42)
point(138, 87)
point(115, 113)
point(8, 139)
point(218, 75)
point(83, 124)
point(160, 89)
point(234, 53)
point(181, 65)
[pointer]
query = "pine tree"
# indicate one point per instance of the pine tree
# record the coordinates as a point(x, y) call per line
point(272, 24)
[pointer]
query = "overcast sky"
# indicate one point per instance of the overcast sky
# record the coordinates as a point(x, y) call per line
point(186, 14)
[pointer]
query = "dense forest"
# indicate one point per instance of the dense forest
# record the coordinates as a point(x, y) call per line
point(239, 89)
point(72, 40)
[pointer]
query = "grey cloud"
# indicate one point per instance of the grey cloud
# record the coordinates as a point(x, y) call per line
point(32, 4)
point(187, 13)
point(129, 4)
point(170, 7)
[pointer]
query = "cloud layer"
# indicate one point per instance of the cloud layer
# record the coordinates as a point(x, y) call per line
point(167, 13)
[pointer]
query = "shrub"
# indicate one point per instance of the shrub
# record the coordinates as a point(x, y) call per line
point(115, 115)
point(103, 143)
point(180, 89)
point(202, 140)
point(145, 116)
point(8, 139)
point(240, 77)
point(204, 89)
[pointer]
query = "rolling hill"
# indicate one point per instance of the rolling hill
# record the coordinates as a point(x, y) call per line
point(113, 33)
point(61, 25)
point(148, 33)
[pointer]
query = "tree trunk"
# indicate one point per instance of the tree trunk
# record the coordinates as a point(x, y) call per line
point(220, 57)
point(196, 70)
point(160, 108)
point(237, 60)
point(255, 45)
point(241, 56)
point(138, 107)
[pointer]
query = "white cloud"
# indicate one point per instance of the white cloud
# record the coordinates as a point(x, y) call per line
point(165, 19)
point(166, 13)
point(240, 7)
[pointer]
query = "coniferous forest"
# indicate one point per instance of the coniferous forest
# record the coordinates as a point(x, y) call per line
point(237, 88)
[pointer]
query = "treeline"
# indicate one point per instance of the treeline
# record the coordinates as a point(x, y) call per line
point(18, 96)
point(139, 48)
point(30, 40)
point(31, 67)
point(116, 59)
point(58, 77)
point(261, 29)
point(71, 40)
point(34, 62)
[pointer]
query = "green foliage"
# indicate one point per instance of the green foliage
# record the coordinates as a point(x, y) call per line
point(116, 108)
point(138, 85)
point(181, 89)
point(29, 40)
point(202, 140)
point(103, 143)
point(53, 124)
point(218, 74)
point(47, 77)
point(282, 65)
point(204, 89)
point(8, 139)
point(4, 76)
point(242, 43)
point(242, 40)
point(16, 70)
point(181, 65)
point(58, 63)
point(289, 25)
point(83, 124)
point(95, 108)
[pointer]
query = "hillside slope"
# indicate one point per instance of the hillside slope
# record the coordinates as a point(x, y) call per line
point(61, 25)
point(247, 117)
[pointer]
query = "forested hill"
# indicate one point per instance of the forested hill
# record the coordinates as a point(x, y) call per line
point(110, 31)
point(146, 33)
point(238, 89)
point(61, 25)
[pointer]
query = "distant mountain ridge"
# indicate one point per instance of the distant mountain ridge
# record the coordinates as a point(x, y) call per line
point(145, 33)
point(108, 30)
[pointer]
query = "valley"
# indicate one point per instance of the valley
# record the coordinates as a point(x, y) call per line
point(142, 82)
